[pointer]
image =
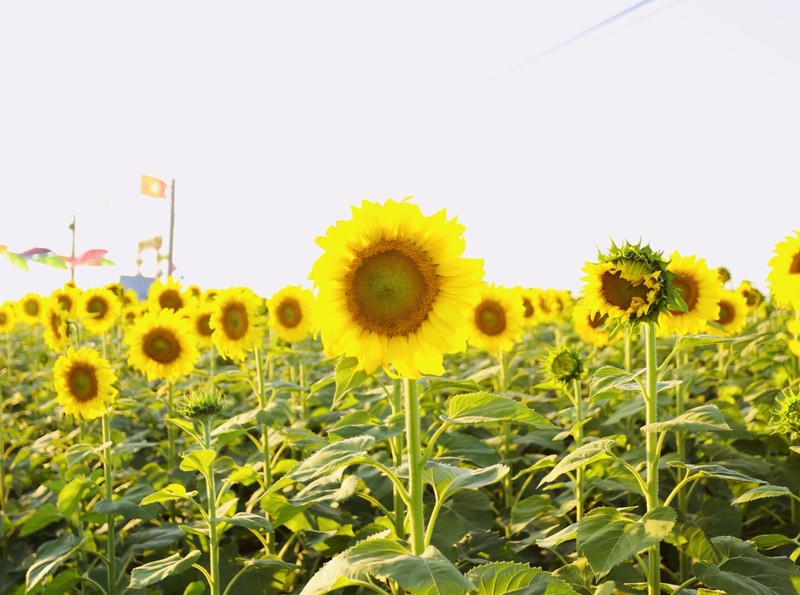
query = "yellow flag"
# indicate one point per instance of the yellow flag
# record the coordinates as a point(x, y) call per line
point(153, 187)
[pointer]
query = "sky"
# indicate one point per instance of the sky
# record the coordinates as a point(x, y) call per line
point(549, 128)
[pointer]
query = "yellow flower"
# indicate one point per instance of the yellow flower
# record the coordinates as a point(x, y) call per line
point(84, 383)
point(784, 274)
point(496, 320)
point(590, 326)
point(529, 299)
point(8, 317)
point(394, 288)
point(235, 322)
point(732, 314)
point(162, 345)
point(29, 309)
point(98, 309)
point(700, 289)
point(67, 298)
point(167, 295)
point(200, 316)
point(55, 325)
point(752, 296)
point(560, 302)
point(290, 312)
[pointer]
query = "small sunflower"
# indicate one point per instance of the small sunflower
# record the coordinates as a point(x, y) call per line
point(84, 383)
point(394, 288)
point(787, 414)
point(132, 312)
point(563, 364)
point(793, 326)
point(98, 309)
point(167, 295)
point(8, 317)
point(630, 284)
point(752, 296)
point(54, 320)
point(527, 295)
point(496, 320)
point(161, 345)
point(700, 289)
point(784, 274)
point(235, 322)
point(67, 298)
point(732, 314)
point(29, 309)
point(561, 302)
point(590, 326)
point(115, 287)
point(290, 313)
point(129, 297)
point(200, 316)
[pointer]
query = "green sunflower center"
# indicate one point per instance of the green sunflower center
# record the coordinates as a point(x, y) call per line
point(203, 327)
point(289, 313)
point(490, 318)
point(526, 303)
point(97, 307)
point(31, 308)
point(83, 383)
point(688, 290)
point(620, 292)
point(391, 287)
point(794, 268)
point(234, 321)
point(596, 320)
point(726, 313)
point(161, 345)
point(170, 298)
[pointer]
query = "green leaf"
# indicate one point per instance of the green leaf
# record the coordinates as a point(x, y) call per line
point(507, 578)
point(269, 561)
point(744, 571)
point(428, 574)
point(195, 588)
point(331, 457)
point(768, 541)
point(580, 457)
point(70, 496)
point(124, 508)
point(566, 534)
point(606, 537)
point(472, 408)
point(154, 538)
point(763, 491)
point(173, 491)
point(447, 480)
point(156, 571)
point(717, 471)
point(198, 460)
point(49, 558)
point(42, 516)
point(348, 377)
point(610, 377)
point(705, 417)
point(248, 520)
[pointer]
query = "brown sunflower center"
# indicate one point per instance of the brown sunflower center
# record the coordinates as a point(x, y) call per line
point(97, 306)
point(83, 383)
point(170, 298)
point(526, 303)
point(688, 290)
point(203, 327)
point(55, 324)
point(234, 321)
point(31, 308)
point(289, 313)
point(3, 318)
point(794, 269)
point(161, 345)
point(490, 318)
point(391, 287)
point(65, 302)
point(620, 292)
point(726, 313)
point(596, 320)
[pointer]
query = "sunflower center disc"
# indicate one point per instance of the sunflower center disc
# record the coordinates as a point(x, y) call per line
point(289, 313)
point(82, 383)
point(725, 313)
point(391, 287)
point(65, 302)
point(597, 320)
point(794, 269)
point(3, 318)
point(620, 292)
point(203, 327)
point(526, 303)
point(170, 299)
point(97, 306)
point(31, 308)
point(490, 318)
point(234, 321)
point(687, 288)
point(162, 346)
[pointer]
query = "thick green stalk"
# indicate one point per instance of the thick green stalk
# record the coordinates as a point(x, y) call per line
point(170, 431)
point(397, 460)
point(211, 496)
point(111, 536)
point(508, 488)
point(580, 480)
point(653, 455)
point(680, 447)
point(265, 449)
point(415, 480)
point(628, 362)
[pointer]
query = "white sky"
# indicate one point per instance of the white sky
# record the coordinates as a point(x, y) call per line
point(678, 125)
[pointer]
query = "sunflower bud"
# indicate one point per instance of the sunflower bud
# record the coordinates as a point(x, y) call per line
point(563, 364)
point(788, 413)
point(202, 404)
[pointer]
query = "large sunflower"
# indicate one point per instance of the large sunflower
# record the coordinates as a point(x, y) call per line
point(54, 320)
point(290, 312)
point(8, 317)
point(29, 308)
point(590, 326)
point(236, 324)
point(784, 274)
point(394, 288)
point(732, 314)
point(162, 345)
point(84, 383)
point(167, 295)
point(700, 289)
point(99, 309)
point(496, 322)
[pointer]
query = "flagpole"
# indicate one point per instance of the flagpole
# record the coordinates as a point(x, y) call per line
point(72, 260)
point(171, 227)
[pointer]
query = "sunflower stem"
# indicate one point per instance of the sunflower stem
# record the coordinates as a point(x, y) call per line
point(265, 450)
point(415, 480)
point(653, 455)
point(680, 446)
point(508, 495)
point(397, 460)
point(109, 489)
point(628, 362)
point(580, 479)
point(211, 496)
point(170, 430)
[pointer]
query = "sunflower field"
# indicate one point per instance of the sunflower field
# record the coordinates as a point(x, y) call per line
point(407, 427)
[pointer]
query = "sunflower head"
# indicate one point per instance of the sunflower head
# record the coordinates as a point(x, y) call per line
point(631, 284)
point(784, 274)
point(699, 288)
point(8, 317)
point(202, 404)
point(55, 325)
point(563, 364)
point(290, 313)
point(167, 295)
point(99, 309)
point(497, 320)
point(236, 325)
point(723, 274)
point(732, 316)
point(84, 383)
point(752, 295)
point(787, 414)
point(161, 345)
point(200, 316)
point(590, 326)
point(29, 308)
point(67, 298)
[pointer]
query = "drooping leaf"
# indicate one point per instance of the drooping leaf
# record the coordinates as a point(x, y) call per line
point(173, 491)
point(718, 471)
point(155, 538)
point(474, 408)
point(510, 578)
point(610, 377)
point(331, 457)
point(50, 557)
point(198, 460)
point(248, 520)
point(157, 570)
point(580, 457)
point(704, 417)
point(566, 534)
point(44, 515)
point(124, 508)
point(347, 377)
point(447, 480)
point(762, 491)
